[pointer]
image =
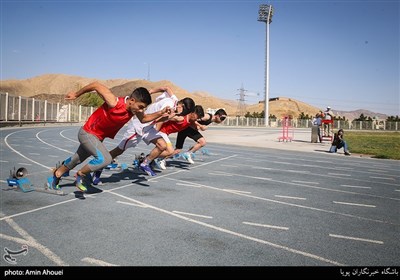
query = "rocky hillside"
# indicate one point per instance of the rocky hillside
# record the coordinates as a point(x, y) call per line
point(53, 87)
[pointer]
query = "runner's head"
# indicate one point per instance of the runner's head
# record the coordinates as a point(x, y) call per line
point(220, 116)
point(184, 106)
point(197, 114)
point(138, 100)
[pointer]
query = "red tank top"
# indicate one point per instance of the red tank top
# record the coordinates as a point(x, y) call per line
point(106, 121)
point(171, 126)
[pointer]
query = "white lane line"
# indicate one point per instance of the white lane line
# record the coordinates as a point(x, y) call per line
point(381, 178)
point(292, 197)
point(3, 161)
point(220, 174)
point(298, 171)
point(11, 148)
point(97, 262)
point(24, 163)
point(34, 154)
point(353, 204)
point(236, 234)
point(325, 175)
point(358, 187)
point(305, 182)
point(131, 204)
point(69, 139)
point(58, 148)
point(264, 225)
point(236, 191)
point(262, 168)
point(339, 174)
point(377, 170)
point(228, 165)
point(191, 214)
point(187, 185)
point(104, 190)
point(30, 241)
point(290, 204)
point(39, 208)
point(356, 238)
point(308, 186)
point(397, 190)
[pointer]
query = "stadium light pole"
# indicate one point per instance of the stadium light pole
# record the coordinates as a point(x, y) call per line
point(265, 14)
point(148, 70)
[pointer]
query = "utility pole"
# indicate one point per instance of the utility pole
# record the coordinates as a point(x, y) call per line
point(241, 109)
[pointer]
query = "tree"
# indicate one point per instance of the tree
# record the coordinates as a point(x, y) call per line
point(302, 116)
point(363, 118)
point(393, 119)
point(90, 100)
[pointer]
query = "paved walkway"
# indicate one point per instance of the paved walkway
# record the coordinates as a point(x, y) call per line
point(265, 138)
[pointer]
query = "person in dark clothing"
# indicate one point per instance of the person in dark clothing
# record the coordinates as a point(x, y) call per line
point(339, 142)
point(202, 123)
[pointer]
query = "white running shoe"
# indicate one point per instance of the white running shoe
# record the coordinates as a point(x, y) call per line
point(163, 164)
point(160, 163)
point(188, 157)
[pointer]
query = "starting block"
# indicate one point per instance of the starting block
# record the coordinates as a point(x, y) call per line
point(138, 160)
point(18, 178)
point(117, 166)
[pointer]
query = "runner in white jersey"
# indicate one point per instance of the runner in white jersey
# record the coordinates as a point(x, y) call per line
point(137, 131)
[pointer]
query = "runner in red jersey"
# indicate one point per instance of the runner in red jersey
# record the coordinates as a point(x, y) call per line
point(106, 121)
point(176, 124)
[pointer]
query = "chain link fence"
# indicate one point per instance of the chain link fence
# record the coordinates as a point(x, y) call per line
point(21, 110)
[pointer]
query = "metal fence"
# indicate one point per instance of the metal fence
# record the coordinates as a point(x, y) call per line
point(306, 123)
point(24, 109)
point(21, 110)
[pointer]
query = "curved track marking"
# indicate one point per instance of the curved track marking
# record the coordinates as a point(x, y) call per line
point(48, 144)
point(15, 151)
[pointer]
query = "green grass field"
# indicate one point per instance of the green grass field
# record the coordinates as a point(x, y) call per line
point(379, 144)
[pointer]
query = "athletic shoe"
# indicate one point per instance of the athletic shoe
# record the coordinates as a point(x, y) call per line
point(162, 164)
point(176, 156)
point(155, 163)
point(146, 168)
point(347, 153)
point(96, 177)
point(188, 157)
point(52, 183)
point(79, 184)
point(204, 151)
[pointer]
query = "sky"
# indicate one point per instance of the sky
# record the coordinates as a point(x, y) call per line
point(343, 54)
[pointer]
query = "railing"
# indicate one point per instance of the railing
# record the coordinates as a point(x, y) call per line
point(19, 110)
point(305, 123)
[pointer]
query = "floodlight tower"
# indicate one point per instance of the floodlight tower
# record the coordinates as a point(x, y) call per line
point(148, 70)
point(265, 15)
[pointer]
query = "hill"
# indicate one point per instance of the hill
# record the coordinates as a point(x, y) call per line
point(53, 87)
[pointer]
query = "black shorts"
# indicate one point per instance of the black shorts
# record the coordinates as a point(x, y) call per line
point(187, 132)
